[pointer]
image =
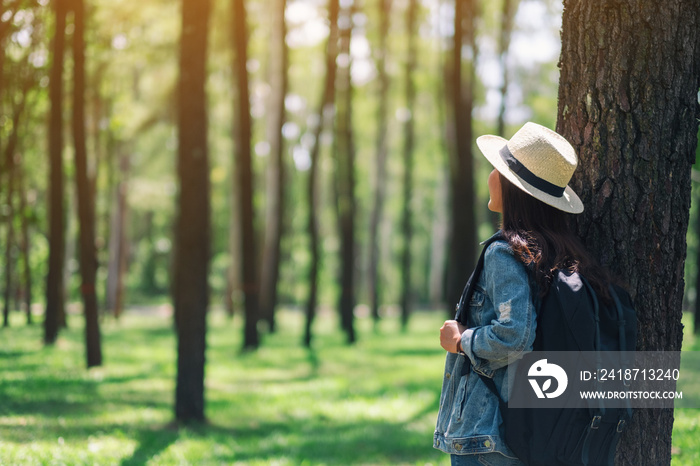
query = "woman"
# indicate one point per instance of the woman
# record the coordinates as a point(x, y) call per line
point(529, 187)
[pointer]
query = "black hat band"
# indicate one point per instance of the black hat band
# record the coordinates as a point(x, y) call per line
point(526, 175)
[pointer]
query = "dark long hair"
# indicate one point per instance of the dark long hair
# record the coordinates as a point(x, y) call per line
point(541, 237)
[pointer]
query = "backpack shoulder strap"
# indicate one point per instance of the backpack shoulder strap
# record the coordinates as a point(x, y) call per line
point(461, 315)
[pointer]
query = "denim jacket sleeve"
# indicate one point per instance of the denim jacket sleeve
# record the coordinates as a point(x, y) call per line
point(489, 345)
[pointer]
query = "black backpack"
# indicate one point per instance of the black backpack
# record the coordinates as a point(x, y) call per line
point(569, 318)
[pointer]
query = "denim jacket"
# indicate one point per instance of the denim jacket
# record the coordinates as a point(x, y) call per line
point(501, 325)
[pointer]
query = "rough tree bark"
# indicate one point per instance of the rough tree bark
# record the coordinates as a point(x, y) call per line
point(274, 222)
point(463, 234)
point(57, 243)
point(192, 247)
point(408, 144)
point(244, 169)
point(325, 120)
point(630, 71)
point(85, 200)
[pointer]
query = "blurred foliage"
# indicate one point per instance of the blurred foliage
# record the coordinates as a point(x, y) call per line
point(132, 71)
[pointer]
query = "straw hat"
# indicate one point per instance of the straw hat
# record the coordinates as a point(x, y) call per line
point(538, 161)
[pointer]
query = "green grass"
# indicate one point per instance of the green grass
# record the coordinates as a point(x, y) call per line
point(372, 403)
point(686, 425)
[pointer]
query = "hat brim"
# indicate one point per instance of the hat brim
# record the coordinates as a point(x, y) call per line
point(490, 146)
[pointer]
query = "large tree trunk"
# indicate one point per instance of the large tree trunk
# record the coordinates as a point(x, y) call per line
point(274, 223)
point(85, 201)
point(463, 234)
point(630, 72)
point(325, 120)
point(244, 169)
point(54, 280)
point(406, 218)
point(190, 290)
point(344, 171)
point(373, 274)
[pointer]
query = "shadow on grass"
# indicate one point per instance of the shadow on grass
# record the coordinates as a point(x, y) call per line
point(316, 437)
point(151, 443)
point(10, 354)
point(414, 352)
point(321, 442)
point(71, 407)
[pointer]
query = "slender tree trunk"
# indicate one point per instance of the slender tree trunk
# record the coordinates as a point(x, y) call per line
point(274, 224)
point(441, 224)
point(11, 169)
point(4, 33)
point(463, 235)
point(373, 272)
point(326, 113)
point(70, 237)
point(233, 272)
point(190, 290)
point(439, 238)
point(85, 201)
point(107, 216)
point(10, 237)
point(628, 104)
point(345, 178)
point(97, 111)
point(148, 273)
point(406, 220)
point(507, 15)
point(101, 183)
point(123, 250)
point(244, 169)
point(117, 240)
point(27, 271)
point(54, 280)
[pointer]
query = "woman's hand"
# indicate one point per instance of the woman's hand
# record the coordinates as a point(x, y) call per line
point(450, 335)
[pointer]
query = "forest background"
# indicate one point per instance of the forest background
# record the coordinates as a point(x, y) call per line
point(389, 219)
point(132, 50)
